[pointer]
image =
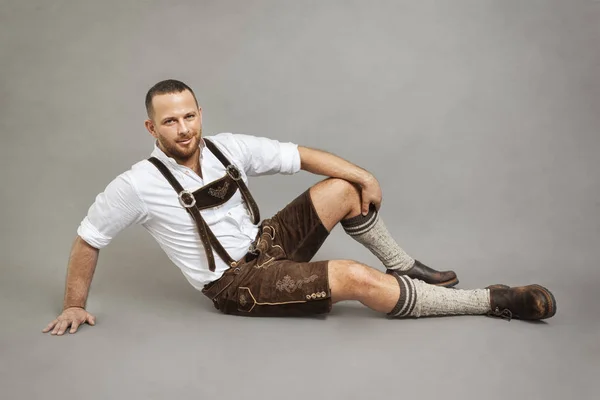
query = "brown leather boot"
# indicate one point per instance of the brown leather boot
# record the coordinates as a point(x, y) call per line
point(532, 302)
point(429, 275)
point(498, 286)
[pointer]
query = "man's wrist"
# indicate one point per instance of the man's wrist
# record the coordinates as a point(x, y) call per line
point(66, 306)
point(365, 179)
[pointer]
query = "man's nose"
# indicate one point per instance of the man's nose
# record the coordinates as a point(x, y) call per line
point(183, 128)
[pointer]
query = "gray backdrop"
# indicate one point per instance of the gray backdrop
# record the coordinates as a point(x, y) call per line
point(479, 118)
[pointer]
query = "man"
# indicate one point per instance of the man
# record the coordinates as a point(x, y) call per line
point(191, 195)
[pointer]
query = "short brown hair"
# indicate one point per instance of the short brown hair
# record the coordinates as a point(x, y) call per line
point(165, 87)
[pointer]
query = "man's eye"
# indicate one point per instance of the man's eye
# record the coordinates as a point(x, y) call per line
point(190, 116)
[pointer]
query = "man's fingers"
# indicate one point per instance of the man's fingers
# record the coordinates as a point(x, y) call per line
point(62, 327)
point(50, 326)
point(65, 326)
point(91, 319)
point(365, 207)
point(378, 205)
point(56, 327)
point(74, 326)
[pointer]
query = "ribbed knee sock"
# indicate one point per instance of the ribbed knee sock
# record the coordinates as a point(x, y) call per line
point(420, 299)
point(370, 231)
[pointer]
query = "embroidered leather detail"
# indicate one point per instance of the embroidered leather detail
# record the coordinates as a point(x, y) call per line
point(289, 285)
point(220, 192)
point(250, 301)
point(265, 246)
point(243, 300)
point(264, 264)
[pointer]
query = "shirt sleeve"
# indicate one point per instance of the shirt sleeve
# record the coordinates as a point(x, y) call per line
point(263, 156)
point(113, 210)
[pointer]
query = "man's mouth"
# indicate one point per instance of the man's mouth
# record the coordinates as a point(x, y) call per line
point(188, 141)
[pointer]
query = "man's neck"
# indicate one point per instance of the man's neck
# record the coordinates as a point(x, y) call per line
point(194, 166)
point(193, 162)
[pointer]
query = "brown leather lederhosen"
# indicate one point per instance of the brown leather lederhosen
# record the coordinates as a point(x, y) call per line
point(276, 276)
point(211, 195)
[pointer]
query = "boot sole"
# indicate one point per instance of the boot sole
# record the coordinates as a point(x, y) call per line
point(550, 301)
point(448, 284)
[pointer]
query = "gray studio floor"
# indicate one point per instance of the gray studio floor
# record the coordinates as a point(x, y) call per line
point(480, 119)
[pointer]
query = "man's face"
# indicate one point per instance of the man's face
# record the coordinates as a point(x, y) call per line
point(176, 124)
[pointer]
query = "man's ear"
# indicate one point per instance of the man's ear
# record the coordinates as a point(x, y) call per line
point(150, 127)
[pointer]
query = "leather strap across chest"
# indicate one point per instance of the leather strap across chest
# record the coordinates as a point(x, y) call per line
point(211, 195)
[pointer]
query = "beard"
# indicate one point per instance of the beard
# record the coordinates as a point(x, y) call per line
point(178, 151)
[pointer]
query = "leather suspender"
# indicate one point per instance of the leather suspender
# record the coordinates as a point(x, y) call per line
point(233, 172)
point(188, 201)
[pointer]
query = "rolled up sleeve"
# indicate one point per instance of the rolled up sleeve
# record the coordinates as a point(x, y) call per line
point(290, 158)
point(113, 210)
point(261, 155)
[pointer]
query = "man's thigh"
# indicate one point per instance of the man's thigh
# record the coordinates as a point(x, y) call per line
point(297, 228)
point(280, 288)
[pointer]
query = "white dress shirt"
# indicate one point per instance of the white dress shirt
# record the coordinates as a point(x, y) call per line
point(143, 196)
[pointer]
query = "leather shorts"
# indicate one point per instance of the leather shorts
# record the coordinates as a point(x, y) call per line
point(278, 277)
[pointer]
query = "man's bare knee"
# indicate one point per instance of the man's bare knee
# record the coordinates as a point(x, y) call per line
point(335, 199)
point(338, 187)
point(349, 279)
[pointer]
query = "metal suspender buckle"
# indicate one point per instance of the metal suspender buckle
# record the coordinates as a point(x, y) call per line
point(187, 199)
point(233, 172)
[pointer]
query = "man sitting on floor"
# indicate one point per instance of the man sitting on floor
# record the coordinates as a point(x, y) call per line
point(192, 196)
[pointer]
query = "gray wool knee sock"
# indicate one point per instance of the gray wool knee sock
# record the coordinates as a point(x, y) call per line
point(420, 299)
point(370, 231)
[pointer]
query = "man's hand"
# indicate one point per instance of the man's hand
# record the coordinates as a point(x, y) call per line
point(73, 317)
point(370, 194)
point(323, 163)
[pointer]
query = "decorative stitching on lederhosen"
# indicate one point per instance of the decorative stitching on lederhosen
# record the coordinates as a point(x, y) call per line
point(264, 245)
point(290, 285)
point(248, 299)
point(220, 192)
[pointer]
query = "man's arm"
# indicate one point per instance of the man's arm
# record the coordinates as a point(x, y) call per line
point(82, 264)
point(323, 163)
point(264, 156)
point(118, 207)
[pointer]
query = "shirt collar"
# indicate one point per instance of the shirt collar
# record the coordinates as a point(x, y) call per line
point(158, 153)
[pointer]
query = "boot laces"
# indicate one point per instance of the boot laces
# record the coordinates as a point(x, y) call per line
point(504, 314)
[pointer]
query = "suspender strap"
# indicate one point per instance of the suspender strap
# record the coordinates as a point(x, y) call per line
point(188, 201)
point(234, 173)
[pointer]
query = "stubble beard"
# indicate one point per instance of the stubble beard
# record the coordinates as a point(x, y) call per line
point(178, 152)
